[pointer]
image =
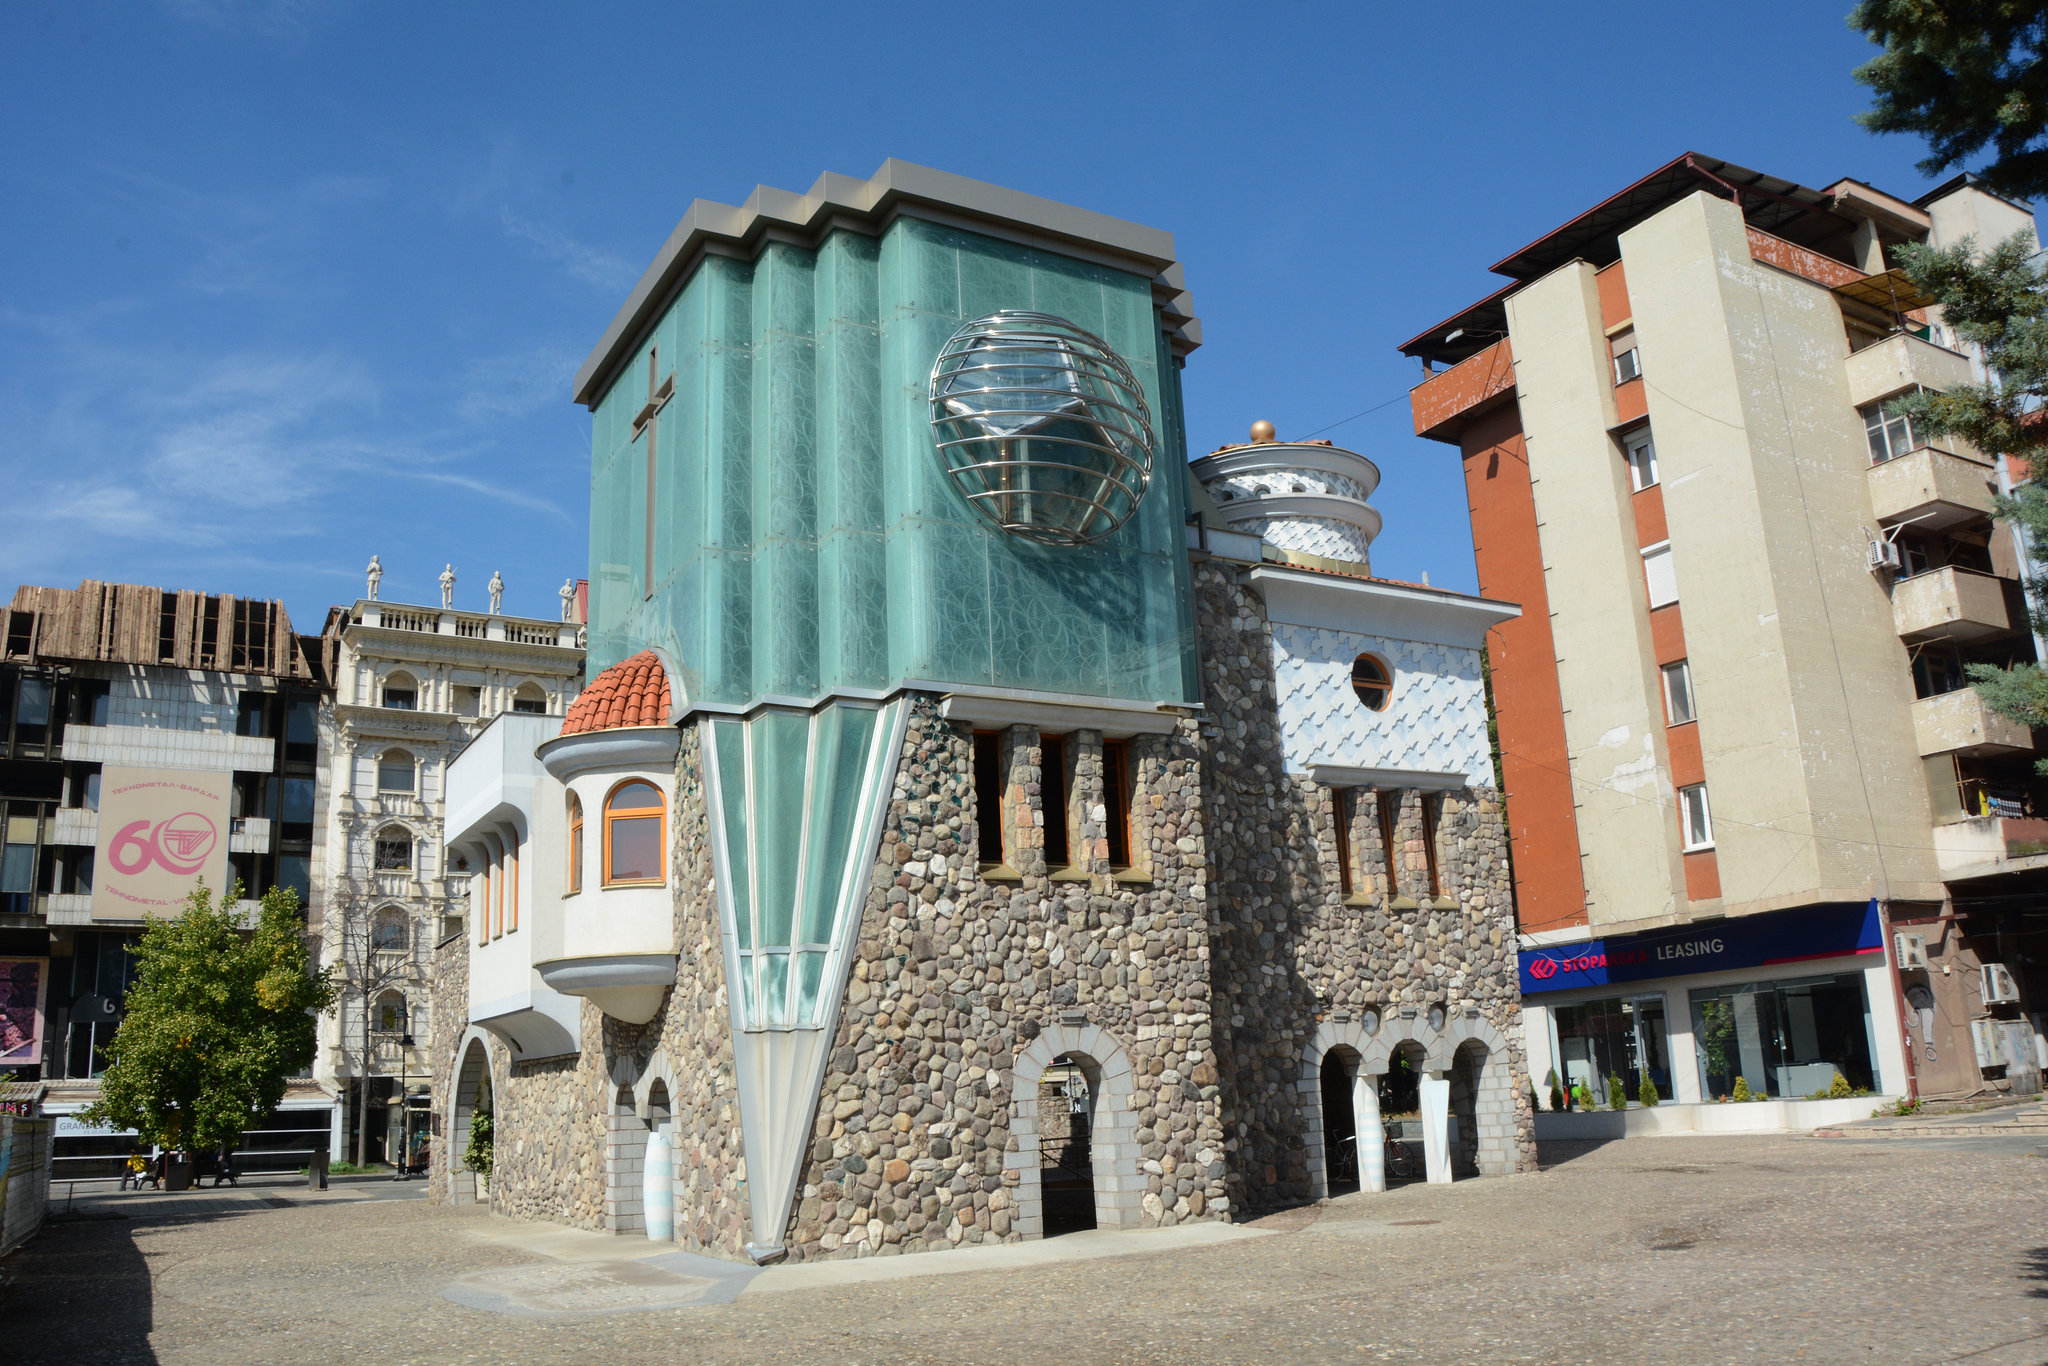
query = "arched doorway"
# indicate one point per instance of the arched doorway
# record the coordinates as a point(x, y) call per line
point(1116, 1182)
point(1400, 1095)
point(1066, 1125)
point(624, 1153)
point(1340, 1121)
point(472, 1097)
point(1468, 1066)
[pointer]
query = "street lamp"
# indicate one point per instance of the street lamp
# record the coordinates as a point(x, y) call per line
point(404, 1115)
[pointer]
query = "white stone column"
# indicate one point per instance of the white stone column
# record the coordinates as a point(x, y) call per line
point(1436, 1127)
point(1372, 1133)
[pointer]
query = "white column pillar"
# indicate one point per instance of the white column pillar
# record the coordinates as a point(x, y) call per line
point(1436, 1127)
point(1372, 1133)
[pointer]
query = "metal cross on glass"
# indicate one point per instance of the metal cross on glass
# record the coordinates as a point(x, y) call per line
point(658, 395)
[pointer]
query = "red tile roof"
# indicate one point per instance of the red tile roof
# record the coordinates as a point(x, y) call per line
point(632, 692)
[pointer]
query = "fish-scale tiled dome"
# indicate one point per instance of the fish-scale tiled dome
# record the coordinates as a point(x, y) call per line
point(632, 692)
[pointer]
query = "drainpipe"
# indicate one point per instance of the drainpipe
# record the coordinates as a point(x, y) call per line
point(1884, 924)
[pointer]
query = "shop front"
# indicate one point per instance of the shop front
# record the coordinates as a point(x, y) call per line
point(1783, 1003)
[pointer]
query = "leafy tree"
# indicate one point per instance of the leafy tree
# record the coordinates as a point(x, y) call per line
point(1966, 75)
point(1963, 74)
point(1617, 1092)
point(1556, 1091)
point(217, 1020)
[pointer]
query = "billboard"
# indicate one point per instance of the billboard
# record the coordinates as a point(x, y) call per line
point(1829, 930)
point(161, 831)
point(21, 1011)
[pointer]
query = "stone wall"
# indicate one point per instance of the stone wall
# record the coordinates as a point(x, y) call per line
point(1291, 948)
point(448, 1021)
point(919, 1135)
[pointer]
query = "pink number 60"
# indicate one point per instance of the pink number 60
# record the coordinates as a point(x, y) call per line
point(131, 850)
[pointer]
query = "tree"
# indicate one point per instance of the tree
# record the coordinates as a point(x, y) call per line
point(217, 1020)
point(366, 966)
point(1966, 74)
point(1963, 74)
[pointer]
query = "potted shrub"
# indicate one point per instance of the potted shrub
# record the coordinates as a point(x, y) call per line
point(1617, 1093)
point(477, 1154)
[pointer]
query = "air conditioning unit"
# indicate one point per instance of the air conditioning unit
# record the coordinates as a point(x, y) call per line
point(1911, 951)
point(1999, 987)
point(1984, 1040)
point(1884, 554)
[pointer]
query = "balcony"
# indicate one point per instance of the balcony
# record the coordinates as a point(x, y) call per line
point(1959, 723)
point(1950, 604)
point(75, 825)
point(1932, 488)
point(1978, 842)
point(1901, 362)
point(249, 835)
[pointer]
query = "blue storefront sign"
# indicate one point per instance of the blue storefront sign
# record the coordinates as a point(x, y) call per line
point(1752, 941)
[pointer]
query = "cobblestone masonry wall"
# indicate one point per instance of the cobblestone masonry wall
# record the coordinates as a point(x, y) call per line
point(1290, 948)
point(448, 1011)
point(956, 975)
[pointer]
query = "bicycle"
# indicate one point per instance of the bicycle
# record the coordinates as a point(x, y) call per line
point(1399, 1160)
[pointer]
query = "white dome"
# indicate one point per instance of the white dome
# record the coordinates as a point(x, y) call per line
point(1300, 496)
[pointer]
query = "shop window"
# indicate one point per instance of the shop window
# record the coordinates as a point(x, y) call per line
point(1116, 801)
point(575, 843)
point(988, 797)
point(1642, 460)
point(1890, 435)
point(395, 772)
point(394, 850)
point(1658, 574)
point(1678, 708)
point(1372, 681)
point(634, 819)
point(1787, 1038)
point(1622, 1036)
point(1695, 821)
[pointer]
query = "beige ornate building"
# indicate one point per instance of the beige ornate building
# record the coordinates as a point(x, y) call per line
point(413, 685)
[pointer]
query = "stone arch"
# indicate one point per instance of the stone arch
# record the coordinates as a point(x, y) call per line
point(1113, 1135)
point(1481, 1070)
point(398, 771)
point(529, 695)
point(402, 680)
point(384, 841)
point(1351, 1042)
point(657, 1071)
point(1398, 1028)
point(475, 1057)
point(391, 929)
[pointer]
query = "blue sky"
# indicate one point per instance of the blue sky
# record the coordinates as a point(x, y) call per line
point(285, 284)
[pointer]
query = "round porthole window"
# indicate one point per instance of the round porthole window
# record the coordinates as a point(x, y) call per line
point(1373, 681)
point(1436, 1017)
point(1369, 1022)
point(1042, 427)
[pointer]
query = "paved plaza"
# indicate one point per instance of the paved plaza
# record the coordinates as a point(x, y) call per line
point(1661, 1249)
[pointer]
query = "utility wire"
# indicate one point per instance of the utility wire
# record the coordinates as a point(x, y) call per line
point(1355, 416)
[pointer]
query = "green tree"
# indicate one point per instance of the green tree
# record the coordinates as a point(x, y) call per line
point(1964, 75)
point(217, 1020)
point(1967, 75)
point(1646, 1094)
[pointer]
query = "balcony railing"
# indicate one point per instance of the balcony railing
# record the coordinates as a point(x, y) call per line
point(1950, 604)
point(1932, 488)
point(1959, 723)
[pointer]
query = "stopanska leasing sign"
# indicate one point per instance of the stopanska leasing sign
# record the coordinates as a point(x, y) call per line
point(161, 831)
point(1801, 935)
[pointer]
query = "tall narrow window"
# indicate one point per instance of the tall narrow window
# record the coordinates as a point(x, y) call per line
point(575, 843)
point(1628, 360)
point(1695, 821)
point(483, 905)
point(1387, 805)
point(1052, 798)
point(634, 820)
point(1678, 707)
point(498, 906)
point(1642, 460)
point(988, 796)
point(1432, 808)
point(1341, 801)
point(1116, 800)
point(512, 888)
point(1659, 576)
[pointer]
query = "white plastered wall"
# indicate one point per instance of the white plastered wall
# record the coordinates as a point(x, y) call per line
point(1804, 689)
point(1593, 572)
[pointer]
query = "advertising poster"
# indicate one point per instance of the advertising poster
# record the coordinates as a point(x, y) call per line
point(161, 831)
point(21, 1011)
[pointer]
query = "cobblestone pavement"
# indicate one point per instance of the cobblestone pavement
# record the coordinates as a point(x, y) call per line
point(1661, 1250)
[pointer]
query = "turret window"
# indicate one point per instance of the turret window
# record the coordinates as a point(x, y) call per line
point(634, 821)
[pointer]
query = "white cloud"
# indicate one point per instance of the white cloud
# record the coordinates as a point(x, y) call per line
point(600, 268)
point(515, 385)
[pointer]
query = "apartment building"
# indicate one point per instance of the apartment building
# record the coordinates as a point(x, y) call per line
point(1761, 828)
point(413, 685)
point(148, 739)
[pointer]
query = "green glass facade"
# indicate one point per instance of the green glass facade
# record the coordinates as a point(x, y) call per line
point(806, 540)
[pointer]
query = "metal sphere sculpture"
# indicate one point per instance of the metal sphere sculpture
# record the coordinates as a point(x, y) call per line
point(1042, 427)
